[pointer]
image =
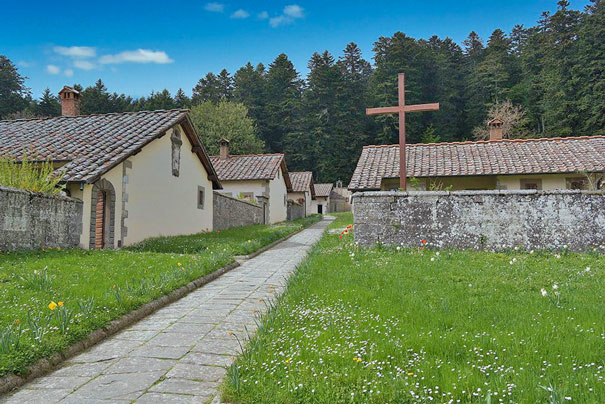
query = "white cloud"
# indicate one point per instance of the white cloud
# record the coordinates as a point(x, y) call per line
point(240, 14)
point(290, 13)
point(215, 7)
point(136, 56)
point(23, 63)
point(52, 69)
point(68, 72)
point(294, 11)
point(263, 15)
point(84, 64)
point(76, 51)
point(277, 21)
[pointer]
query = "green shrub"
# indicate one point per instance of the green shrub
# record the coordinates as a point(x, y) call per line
point(29, 175)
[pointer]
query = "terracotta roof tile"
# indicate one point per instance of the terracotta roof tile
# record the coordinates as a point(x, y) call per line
point(301, 180)
point(323, 190)
point(248, 167)
point(91, 144)
point(503, 157)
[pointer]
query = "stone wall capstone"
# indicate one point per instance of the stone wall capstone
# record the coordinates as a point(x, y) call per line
point(295, 210)
point(231, 212)
point(482, 219)
point(30, 220)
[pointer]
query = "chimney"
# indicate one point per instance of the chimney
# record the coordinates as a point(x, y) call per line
point(223, 145)
point(70, 101)
point(495, 129)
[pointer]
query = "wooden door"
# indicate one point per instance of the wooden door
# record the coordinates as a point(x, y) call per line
point(100, 220)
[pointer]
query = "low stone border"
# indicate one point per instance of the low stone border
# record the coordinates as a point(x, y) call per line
point(46, 365)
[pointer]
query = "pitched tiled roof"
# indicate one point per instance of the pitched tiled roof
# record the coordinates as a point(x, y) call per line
point(301, 180)
point(503, 157)
point(93, 144)
point(251, 167)
point(323, 189)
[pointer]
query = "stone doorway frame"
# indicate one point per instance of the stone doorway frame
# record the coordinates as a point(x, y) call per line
point(109, 208)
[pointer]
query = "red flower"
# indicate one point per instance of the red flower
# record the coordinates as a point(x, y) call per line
point(422, 248)
point(340, 236)
point(423, 242)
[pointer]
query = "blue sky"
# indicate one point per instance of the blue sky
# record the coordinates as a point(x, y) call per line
point(140, 46)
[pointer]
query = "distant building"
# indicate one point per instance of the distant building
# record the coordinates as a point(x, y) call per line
point(321, 203)
point(542, 164)
point(255, 178)
point(303, 190)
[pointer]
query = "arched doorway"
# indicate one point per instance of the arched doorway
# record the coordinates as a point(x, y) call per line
point(102, 215)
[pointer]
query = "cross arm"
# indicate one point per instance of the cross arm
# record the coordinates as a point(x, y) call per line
point(422, 107)
point(382, 110)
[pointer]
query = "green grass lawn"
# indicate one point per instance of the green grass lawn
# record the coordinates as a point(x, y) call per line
point(91, 288)
point(416, 326)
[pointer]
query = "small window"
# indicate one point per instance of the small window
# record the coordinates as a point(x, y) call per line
point(531, 184)
point(576, 183)
point(201, 194)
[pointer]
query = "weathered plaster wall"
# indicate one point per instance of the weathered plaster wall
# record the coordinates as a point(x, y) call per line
point(482, 219)
point(481, 182)
point(278, 199)
point(320, 200)
point(305, 197)
point(274, 190)
point(295, 210)
point(231, 212)
point(159, 203)
point(30, 220)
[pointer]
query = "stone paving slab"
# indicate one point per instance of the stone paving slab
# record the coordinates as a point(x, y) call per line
point(180, 353)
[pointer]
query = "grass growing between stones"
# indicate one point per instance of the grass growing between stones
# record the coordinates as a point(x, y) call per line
point(53, 298)
point(387, 325)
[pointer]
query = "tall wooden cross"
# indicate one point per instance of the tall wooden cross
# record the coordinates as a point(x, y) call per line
point(401, 109)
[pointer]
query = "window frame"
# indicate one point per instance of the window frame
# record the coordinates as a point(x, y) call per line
point(201, 197)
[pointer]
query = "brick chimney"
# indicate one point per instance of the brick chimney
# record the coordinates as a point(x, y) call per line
point(495, 129)
point(70, 101)
point(223, 145)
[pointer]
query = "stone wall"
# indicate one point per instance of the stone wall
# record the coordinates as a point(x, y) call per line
point(295, 210)
point(231, 212)
point(30, 220)
point(482, 219)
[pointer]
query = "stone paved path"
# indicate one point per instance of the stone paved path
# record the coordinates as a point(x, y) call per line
point(179, 353)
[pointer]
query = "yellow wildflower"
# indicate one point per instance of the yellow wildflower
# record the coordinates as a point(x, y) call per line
point(179, 264)
point(287, 361)
point(410, 374)
point(60, 304)
point(52, 305)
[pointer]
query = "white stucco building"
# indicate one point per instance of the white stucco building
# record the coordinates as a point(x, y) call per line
point(256, 178)
point(321, 203)
point(303, 190)
point(139, 174)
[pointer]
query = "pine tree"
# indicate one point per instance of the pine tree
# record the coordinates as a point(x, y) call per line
point(48, 105)
point(160, 100)
point(181, 100)
point(589, 71)
point(225, 85)
point(474, 94)
point(249, 89)
point(354, 126)
point(399, 53)
point(207, 89)
point(561, 114)
point(14, 95)
point(283, 92)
